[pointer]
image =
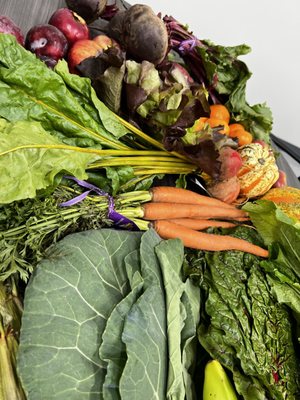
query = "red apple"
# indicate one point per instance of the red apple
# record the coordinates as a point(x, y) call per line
point(70, 24)
point(104, 42)
point(83, 49)
point(7, 25)
point(47, 42)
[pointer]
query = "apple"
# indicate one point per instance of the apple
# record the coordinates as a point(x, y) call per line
point(7, 25)
point(104, 42)
point(83, 49)
point(70, 24)
point(47, 42)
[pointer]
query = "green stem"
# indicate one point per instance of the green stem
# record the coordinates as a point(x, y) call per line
point(51, 222)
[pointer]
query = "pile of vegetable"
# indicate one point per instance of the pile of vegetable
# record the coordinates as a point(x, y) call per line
point(149, 247)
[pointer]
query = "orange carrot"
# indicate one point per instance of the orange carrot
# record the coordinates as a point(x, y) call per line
point(154, 211)
point(199, 224)
point(206, 241)
point(168, 194)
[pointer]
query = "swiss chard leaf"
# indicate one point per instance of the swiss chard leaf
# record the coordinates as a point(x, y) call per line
point(245, 328)
point(29, 90)
point(31, 159)
point(283, 235)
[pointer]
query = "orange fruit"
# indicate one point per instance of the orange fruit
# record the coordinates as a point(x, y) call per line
point(244, 137)
point(234, 127)
point(214, 122)
point(239, 132)
point(219, 111)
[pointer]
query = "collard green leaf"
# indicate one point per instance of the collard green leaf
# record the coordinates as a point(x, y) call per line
point(181, 320)
point(112, 349)
point(31, 159)
point(68, 301)
point(170, 255)
point(144, 334)
point(191, 304)
point(29, 90)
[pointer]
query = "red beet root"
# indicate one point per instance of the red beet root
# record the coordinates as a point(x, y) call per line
point(7, 25)
point(90, 10)
point(231, 162)
point(70, 24)
point(281, 181)
point(47, 42)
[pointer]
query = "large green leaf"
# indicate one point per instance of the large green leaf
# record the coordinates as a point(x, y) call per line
point(145, 373)
point(112, 349)
point(229, 75)
point(244, 326)
point(83, 88)
point(144, 334)
point(31, 159)
point(29, 90)
point(68, 301)
point(282, 233)
point(104, 313)
point(181, 321)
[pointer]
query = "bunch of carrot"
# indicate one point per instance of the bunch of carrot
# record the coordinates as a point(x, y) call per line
point(181, 213)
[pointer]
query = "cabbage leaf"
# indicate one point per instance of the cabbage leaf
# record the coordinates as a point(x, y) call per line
point(100, 320)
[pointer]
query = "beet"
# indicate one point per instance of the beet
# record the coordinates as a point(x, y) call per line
point(141, 33)
point(89, 10)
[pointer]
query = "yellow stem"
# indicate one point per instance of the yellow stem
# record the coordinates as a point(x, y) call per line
point(146, 137)
point(163, 171)
point(140, 161)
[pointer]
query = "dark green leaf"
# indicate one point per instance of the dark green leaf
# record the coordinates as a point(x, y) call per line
point(68, 301)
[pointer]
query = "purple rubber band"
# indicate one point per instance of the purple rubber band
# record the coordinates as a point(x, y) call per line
point(87, 185)
point(187, 45)
point(118, 219)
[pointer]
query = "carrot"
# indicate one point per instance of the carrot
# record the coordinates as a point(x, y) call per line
point(168, 194)
point(206, 241)
point(199, 224)
point(154, 211)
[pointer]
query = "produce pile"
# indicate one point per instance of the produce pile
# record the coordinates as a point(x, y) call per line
point(149, 245)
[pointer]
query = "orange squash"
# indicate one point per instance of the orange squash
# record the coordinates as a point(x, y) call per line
point(287, 198)
point(259, 171)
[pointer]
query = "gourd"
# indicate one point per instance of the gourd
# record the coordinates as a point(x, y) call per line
point(287, 199)
point(259, 170)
